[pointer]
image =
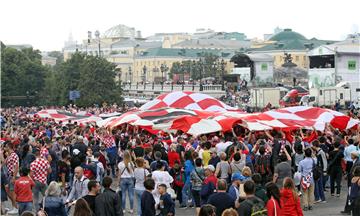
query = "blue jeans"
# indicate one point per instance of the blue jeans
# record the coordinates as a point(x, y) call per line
point(24, 206)
point(319, 189)
point(127, 184)
point(39, 188)
point(186, 193)
point(138, 194)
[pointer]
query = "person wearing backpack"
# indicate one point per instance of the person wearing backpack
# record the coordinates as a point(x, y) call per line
point(251, 205)
point(262, 165)
point(322, 167)
point(197, 178)
point(100, 170)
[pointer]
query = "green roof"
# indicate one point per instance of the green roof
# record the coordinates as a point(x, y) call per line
point(294, 45)
point(287, 34)
point(190, 53)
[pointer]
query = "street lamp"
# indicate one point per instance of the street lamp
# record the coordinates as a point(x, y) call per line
point(163, 68)
point(130, 74)
point(183, 75)
point(201, 64)
point(222, 64)
point(144, 78)
point(192, 74)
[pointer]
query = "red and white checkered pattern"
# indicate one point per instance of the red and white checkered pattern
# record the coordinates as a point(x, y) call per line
point(197, 122)
point(54, 114)
point(187, 100)
point(11, 162)
point(81, 117)
point(39, 169)
point(108, 141)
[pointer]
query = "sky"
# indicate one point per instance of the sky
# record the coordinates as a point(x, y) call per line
point(46, 24)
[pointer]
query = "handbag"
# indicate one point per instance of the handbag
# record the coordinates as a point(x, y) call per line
point(172, 193)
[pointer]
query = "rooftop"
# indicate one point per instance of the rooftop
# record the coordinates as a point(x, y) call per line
point(287, 34)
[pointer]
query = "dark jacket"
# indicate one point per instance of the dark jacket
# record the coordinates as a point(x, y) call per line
point(169, 205)
point(108, 203)
point(54, 206)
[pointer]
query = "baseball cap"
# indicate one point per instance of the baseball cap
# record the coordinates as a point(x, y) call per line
point(236, 176)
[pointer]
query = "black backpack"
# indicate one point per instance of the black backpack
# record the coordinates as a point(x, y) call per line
point(316, 170)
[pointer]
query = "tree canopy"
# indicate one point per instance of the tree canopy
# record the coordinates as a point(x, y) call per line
point(25, 81)
point(22, 75)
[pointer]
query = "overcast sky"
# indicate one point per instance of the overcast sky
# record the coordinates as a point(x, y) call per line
point(46, 24)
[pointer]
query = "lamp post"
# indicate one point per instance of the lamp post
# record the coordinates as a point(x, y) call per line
point(144, 78)
point(163, 68)
point(183, 75)
point(119, 75)
point(222, 64)
point(130, 74)
point(97, 35)
point(192, 65)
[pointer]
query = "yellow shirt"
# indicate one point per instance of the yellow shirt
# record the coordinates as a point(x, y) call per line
point(206, 157)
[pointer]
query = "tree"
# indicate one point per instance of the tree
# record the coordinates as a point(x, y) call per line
point(93, 76)
point(97, 84)
point(21, 75)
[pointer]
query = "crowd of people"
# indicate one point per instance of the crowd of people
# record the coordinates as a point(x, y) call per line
point(62, 168)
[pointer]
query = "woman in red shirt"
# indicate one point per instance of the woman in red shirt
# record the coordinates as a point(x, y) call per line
point(273, 205)
point(173, 156)
point(290, 200)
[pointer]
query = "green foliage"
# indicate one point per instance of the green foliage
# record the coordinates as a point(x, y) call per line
point(21, 75)
point(93, 76)
point(207, 67)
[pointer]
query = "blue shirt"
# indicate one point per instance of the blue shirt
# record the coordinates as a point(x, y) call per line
point(189, 167)
point(348, 150)
point(305, 167)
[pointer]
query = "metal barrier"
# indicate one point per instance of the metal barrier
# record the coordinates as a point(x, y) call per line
point(170, 87)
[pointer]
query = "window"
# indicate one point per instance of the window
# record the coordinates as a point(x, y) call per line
point(320, 92)
point(296, 58)
point(264, 67)
point(352, 65)
point(341, 96)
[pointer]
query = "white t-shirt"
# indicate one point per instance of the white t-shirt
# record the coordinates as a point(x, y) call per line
point(126, 173)
point(162, 177)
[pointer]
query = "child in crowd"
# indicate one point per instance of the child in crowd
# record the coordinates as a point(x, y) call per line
point(147, 199)
point(166, 205)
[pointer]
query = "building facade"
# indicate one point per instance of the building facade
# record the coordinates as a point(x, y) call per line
point(336, 63)
point(290, 42)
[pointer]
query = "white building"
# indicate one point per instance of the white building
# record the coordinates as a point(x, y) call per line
point(256, 69)
point(335, 63)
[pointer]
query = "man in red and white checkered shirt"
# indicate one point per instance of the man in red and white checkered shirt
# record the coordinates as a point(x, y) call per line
point(39, 169)
point(12, 164)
